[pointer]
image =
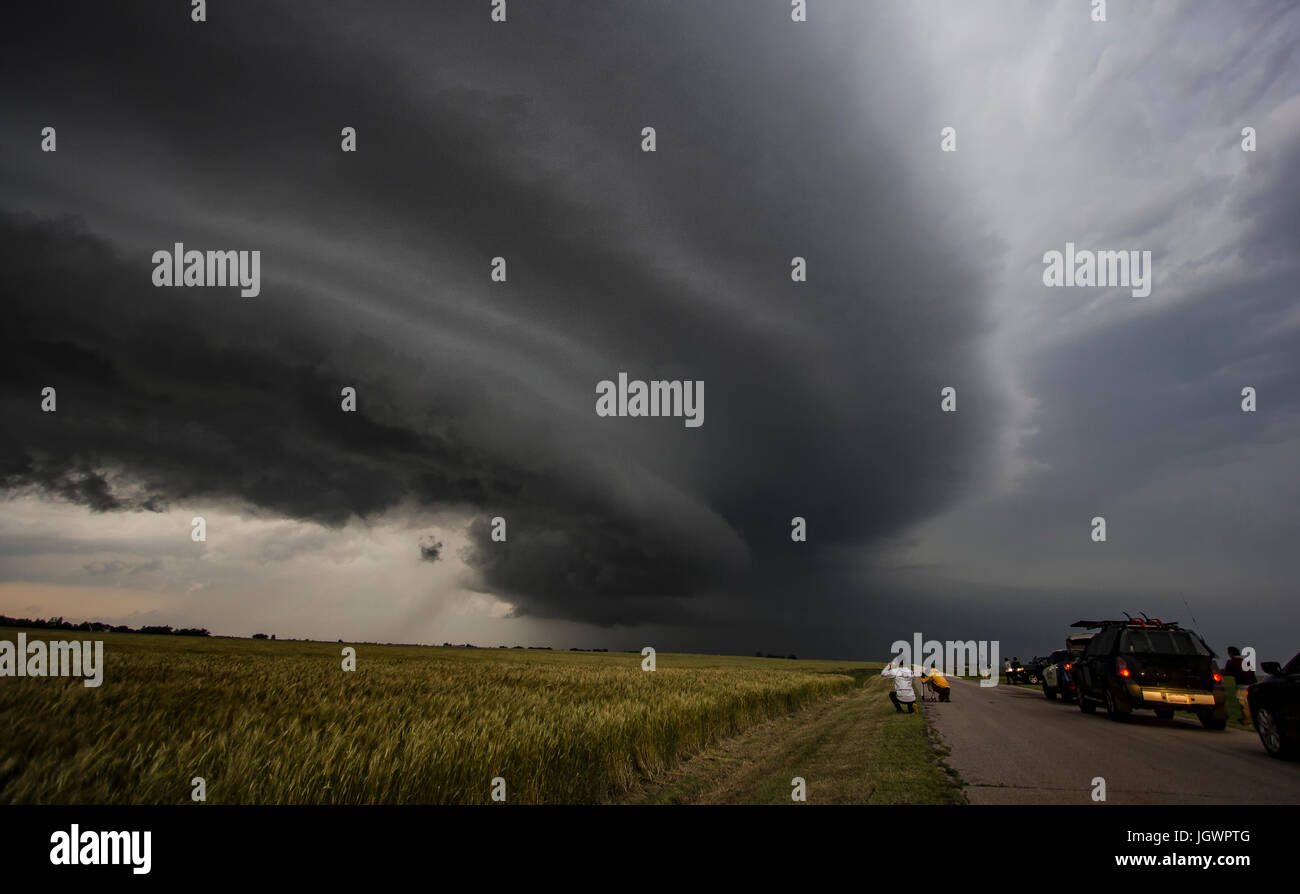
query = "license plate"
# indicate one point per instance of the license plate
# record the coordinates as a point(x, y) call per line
point(1176, 699)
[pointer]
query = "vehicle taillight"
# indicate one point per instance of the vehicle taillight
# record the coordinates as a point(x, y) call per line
point(1214, 670)
point(1122, 666)
point(1067, 667)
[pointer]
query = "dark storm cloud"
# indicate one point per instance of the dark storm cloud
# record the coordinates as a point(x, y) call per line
point(476, 140)
point(191, 400)
point(1156, 394)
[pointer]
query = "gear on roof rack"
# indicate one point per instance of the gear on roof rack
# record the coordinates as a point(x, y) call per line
point(1142, 623)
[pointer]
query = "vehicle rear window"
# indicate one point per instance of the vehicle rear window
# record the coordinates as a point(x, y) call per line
point(1101, 643)
point(1161, 642)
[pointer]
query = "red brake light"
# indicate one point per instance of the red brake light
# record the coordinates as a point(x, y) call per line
point(1067, 666)
point(1122, 666)
point(1218, 677)
point(1123, 672)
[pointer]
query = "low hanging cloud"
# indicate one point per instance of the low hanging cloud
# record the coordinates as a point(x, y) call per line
point(477, 396)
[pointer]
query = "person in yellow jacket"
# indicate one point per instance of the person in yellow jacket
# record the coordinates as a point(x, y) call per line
point(937, 684)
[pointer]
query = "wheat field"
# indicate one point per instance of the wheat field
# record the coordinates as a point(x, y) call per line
point(280, 722)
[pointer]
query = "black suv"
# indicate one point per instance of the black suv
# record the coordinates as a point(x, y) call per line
point(1275, 708)
point(1147, 663)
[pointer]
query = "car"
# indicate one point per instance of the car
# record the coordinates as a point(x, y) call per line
point(1057, 677)
point(1275, 708)
point(1052, 669)
point(1016, 672)
point(1034, 669)
point(1146, 663)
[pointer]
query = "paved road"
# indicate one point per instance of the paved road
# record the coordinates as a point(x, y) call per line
point(1013, 746)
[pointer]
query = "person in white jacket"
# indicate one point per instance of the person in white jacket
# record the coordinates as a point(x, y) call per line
point(903, 693)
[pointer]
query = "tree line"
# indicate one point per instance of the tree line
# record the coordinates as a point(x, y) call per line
point(99, 627)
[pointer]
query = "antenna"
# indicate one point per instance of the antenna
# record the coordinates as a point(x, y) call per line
point(1195, 622)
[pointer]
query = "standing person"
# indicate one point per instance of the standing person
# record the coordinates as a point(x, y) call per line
point(903, 694)
point(1235, 671)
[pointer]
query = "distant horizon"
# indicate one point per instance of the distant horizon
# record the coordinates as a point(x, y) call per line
point(6, 619)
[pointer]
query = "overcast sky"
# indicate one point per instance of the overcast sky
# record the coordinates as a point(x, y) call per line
point(476, 398)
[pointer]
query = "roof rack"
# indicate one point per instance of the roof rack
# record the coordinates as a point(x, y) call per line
point(1142, 622)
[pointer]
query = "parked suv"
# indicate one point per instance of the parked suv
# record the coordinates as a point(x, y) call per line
point(1147, 663)
point(1058, 678)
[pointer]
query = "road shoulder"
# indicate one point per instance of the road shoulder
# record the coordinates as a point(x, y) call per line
point(848, 749)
